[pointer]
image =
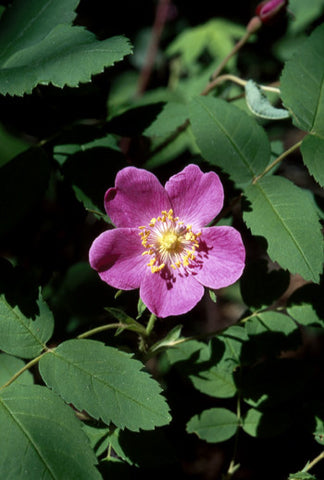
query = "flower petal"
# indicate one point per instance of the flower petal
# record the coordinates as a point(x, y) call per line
point(196, 197)
point(166, 293)
point(137, 197)
point(117, 256)
point(222, 257)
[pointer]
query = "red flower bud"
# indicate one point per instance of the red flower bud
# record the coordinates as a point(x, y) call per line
point(269, 9)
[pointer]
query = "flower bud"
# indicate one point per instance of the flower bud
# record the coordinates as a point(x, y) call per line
point(269, 9)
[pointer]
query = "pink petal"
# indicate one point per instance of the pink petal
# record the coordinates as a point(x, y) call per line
point(117, 256)
point(222, 257)
point(137, 197)
point(196, 197)
point(167, 294)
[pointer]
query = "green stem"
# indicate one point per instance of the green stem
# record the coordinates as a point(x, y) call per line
point(278, 160)
point(23, 369)
point(150, 324)
point(239, 81)
point(103, 328)
point(313, 462)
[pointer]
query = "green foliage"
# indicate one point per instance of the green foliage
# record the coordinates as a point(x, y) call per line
point(122, 405)
point(60, 450)
point(32, 333)
point(214, 425)
point(106, 383)
point(242, 151)
point(39, 46)
point(275, 202)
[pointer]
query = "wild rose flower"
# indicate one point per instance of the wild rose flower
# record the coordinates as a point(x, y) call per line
point(268, 9)
point(161, 244)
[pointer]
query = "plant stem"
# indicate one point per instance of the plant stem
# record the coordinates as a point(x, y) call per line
point(313, 462)
point(159, 22)
point(235, 49)
point(277, 161)
point(22, 370)
point(150, 324)
point(237, 80)
point(103, 328)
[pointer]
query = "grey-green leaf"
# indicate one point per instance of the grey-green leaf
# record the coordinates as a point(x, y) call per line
point(43, 438)
point(285, 215)
point(48, 51)
point(22, 336)
point(105, 382)
point(259, 104)
point(302, 84)
point(229, 138)
point(214, 425)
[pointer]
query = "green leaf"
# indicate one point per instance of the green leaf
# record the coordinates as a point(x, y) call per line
point(172, 116)
point(10, 146)
point(216, 36)
point(22, 336)
point(285, 216)
point(301, 476)
point(305, 315)
point(105, 382)
point(259, 104)
point(302, 84)
point(40, 47)
point(170, 340)
point(22, 182)
point(9, 366)
point(46, 433)
point(270, 322)
point(214, 425)
point(312, 150)
point(303, 13)
point(266, 424)
point(319, 430)
point(217, 382)
point(122, 317)
point(229, 138)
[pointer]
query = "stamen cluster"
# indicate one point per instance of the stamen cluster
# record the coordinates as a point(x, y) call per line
point(169, 242)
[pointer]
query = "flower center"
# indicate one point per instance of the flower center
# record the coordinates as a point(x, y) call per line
point(169, 242)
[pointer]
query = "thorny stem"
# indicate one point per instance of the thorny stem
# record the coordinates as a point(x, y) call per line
point(23, 369)
point(277, 161)
point(159, 22)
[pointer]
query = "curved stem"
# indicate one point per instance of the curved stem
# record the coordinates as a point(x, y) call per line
point(103, 328)
point(23, 369)
point(235, 49)
point(150, 324)
point(237, 80)
point(277, 161)
point(314, 462)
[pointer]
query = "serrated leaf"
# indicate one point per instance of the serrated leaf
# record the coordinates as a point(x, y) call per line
point(48, 435)
point(22, 336)
point(312, 150)
point(217, 382)
point(270, 322)
point(305, 315)
point(47, 51)
point(9, 366)
point(105, 382)
point(284, 215)
point(172, 116)
point(229, 138)
point(260, 105)
point(214, 425)
point(302, 84)
point(319, 430)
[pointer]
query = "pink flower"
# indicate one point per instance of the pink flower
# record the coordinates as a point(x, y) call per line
point(268, 9)
point(161, 244)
